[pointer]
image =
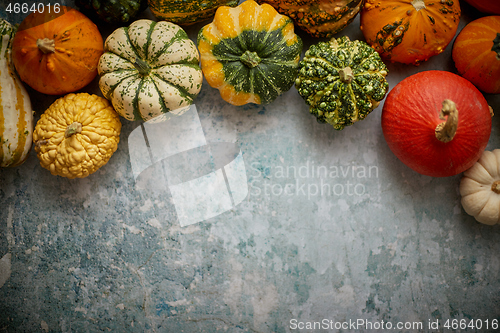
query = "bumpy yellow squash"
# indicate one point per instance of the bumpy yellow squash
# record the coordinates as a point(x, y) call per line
point(77, 135)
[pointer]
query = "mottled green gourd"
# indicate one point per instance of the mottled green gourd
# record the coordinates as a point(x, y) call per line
point(112, 11)
point(187, 12)
point(342, 81)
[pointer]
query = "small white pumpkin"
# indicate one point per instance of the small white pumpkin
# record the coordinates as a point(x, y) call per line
point(480, 188)
point(16, 114)
point(148, 69)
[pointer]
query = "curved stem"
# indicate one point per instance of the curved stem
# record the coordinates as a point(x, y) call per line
point(142, 66)
point(447, 130)
point(73, 129)
point(250, 59)
point(495, 187)
point(46, 45)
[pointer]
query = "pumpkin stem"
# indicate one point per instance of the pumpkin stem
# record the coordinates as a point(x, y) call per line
point(72, 129)
point(251, 59)
point(346, 75)
point(46, 45)
point(418, 4)
point(142, 66)
point(446, 130)
point(496, 45)
point(495, 187)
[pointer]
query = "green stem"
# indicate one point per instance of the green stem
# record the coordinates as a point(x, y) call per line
point(142, 66)
point(251, 59)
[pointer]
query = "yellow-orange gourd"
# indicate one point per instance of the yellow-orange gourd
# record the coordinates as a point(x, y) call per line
point(77, 135)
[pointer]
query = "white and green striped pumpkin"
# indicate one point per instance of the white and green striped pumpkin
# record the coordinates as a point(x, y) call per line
point(149, 68)
point(16, 114)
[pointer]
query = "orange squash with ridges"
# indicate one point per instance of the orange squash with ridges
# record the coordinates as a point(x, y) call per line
point(56, 51)
point(409, 31)
point(476, 53)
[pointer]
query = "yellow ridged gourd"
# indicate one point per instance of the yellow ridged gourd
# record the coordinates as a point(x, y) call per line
point(77, 135)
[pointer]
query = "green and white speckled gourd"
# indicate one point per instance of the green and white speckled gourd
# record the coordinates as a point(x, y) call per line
point(342, 81)
point(16, 115)
point(148, 69)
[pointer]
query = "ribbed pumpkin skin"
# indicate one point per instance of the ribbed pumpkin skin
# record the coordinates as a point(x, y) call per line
point(187, 12)
point(77, 135)
point(78, 45)
point(409, 31)
point(16, 115)
point(411, 114)
point(473, 55)
point(486, 6)
point(149, 68)
point(242, 35)
point(319, 18)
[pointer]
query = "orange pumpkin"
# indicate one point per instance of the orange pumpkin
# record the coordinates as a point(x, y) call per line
point(409, 31)
point(56, 51)
point(436, 122)
point(476, 53)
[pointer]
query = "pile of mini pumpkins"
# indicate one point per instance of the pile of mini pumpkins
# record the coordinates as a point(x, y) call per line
point(436, 122)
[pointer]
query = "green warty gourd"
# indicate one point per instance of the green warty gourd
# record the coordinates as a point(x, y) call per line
point(342, 81)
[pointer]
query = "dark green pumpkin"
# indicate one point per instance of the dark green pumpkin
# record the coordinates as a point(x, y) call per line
point(187, 12)
point(342, 81)
point(112, 11)
point(250, 54)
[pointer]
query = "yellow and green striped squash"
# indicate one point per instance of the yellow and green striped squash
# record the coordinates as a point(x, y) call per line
point(16, 114)
point(187, 12)
point(250, 53)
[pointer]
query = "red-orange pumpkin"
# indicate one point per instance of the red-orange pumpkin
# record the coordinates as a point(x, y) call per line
point(436, 122)
point(476, 53)
point(486, 6)
point(56, 51)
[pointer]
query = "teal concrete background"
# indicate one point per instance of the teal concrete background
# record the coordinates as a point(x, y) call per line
point(384, 245)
